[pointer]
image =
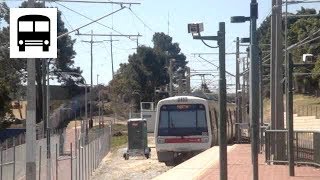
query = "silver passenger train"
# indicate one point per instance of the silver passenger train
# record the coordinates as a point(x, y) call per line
point(184, 125)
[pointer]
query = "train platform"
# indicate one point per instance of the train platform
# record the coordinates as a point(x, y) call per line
point(206, 166)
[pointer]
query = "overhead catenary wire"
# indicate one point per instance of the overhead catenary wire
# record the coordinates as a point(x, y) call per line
point(215, 65)
point(77, 29)
point(302, 41)
point(96, 2)
point(141, 20)
point(68, 23)
point(111, 28)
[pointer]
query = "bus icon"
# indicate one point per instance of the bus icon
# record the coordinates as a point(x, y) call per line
point(33, 30)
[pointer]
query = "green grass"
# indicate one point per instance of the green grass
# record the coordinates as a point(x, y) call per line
point(119, 128)
point(118, 141)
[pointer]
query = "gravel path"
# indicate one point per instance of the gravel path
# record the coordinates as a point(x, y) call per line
point(114, 167)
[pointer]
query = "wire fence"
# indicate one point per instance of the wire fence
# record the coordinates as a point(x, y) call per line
point(70, 158)
point(306, 147)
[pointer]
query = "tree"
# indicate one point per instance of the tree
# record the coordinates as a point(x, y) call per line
point(146, 70)
point(13, 71)
point(298, 29)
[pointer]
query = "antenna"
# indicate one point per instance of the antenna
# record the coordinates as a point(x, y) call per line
point(168, 23)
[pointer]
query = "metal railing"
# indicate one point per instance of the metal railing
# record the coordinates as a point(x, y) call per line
point(306, 147)
point(308, 110)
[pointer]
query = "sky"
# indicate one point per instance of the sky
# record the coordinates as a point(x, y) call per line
point(153, 16)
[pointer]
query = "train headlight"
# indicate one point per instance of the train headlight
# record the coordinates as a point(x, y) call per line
point(204, 139)
point(21, 42)
point(46, 42)
point(160, 140)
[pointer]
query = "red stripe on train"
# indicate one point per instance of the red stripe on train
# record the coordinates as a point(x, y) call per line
point(183, 140)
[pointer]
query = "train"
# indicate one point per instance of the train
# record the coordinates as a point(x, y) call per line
point(186, 125)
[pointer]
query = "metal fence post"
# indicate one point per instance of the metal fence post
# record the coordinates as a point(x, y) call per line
point(76, 166)
point(78, 163)
point(94, 154)
point(14, 159)
point(1, 155)
point(40, 163)
point(88, 160)
point(85, 162)
point(56, 161)
point(82, 171)
point(267, 146)
point(297, 144)
point(90, 154)
point(71, 165)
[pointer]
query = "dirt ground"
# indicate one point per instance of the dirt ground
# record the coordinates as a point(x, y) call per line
point(114, 167)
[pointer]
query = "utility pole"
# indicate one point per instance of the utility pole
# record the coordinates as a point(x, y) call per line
point(111, 53)
point(289, 115)
point(111, 40)
point(222, 103)
point(44, 99)
point(272, 71)
point(254, 87)
point(238, 116)
point(254, 83)
point(170, 77)
point(91, 76)
point(31, 116)
point(222, 98)
point(261, 99)
point(277, 115)
point(188, 80)
point(48, 123)
point(111, 56)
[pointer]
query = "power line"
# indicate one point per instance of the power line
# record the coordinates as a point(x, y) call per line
point(68, 23)
point(228, 53)
point(141, 20)
point(302, 41)
point(215, 65)
point(93, 20)
point(97, 2)
point(77, 29)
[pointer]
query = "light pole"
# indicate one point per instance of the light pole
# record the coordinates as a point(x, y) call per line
point(238, 111)
point(195, 29)
point(254, 82)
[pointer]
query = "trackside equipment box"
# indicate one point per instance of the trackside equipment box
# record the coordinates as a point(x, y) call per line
point(137, 138)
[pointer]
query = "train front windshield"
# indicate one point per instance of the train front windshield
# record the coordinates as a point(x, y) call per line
point(182, 120)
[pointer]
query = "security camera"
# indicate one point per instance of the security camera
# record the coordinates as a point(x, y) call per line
point(195, 28)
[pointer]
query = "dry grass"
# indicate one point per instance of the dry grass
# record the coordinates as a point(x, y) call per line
point(302, 104)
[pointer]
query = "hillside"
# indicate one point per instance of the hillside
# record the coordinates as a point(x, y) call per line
point(302, 104)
